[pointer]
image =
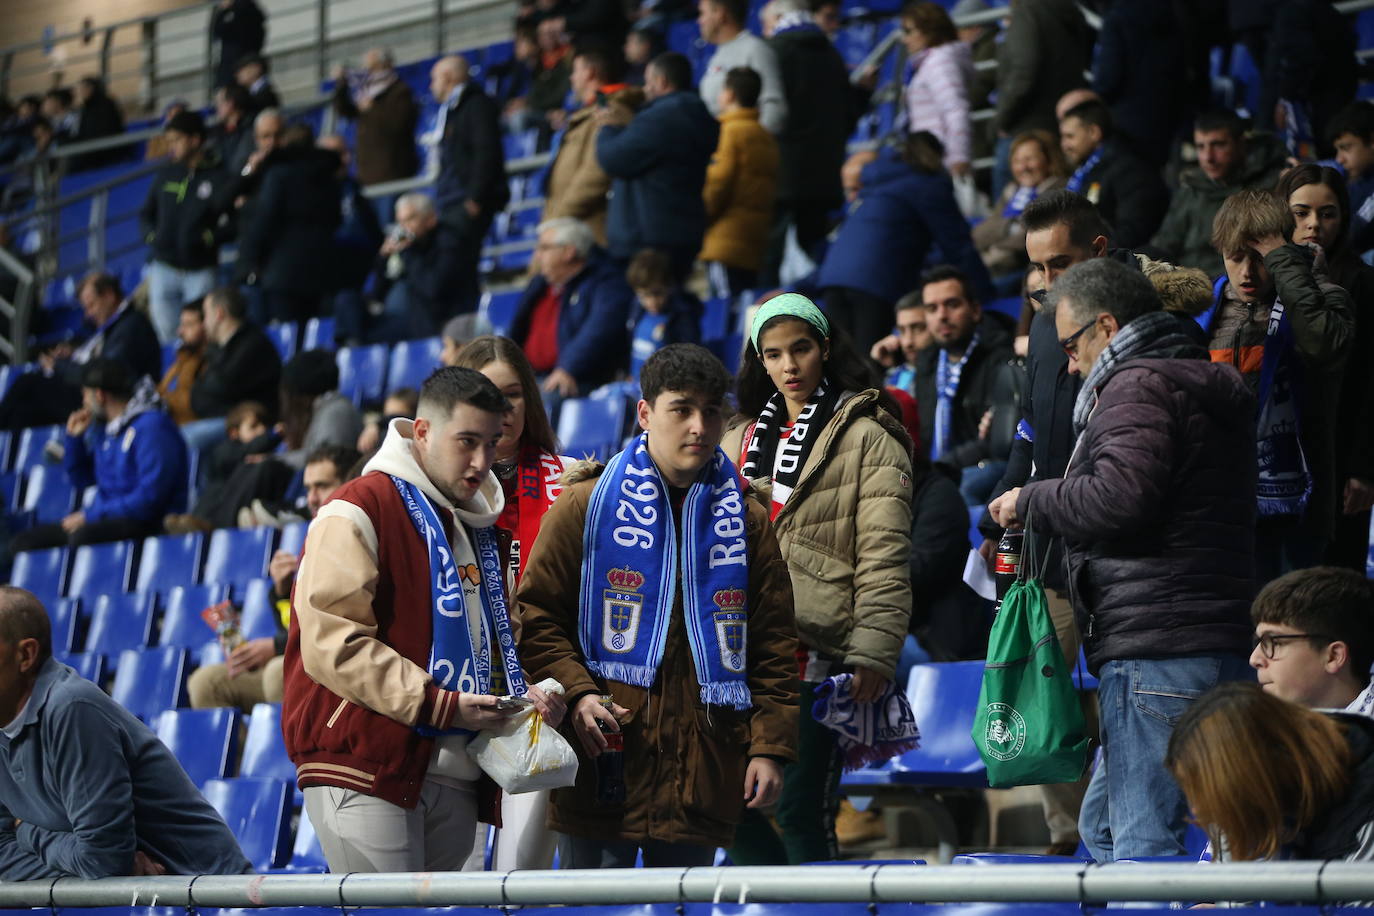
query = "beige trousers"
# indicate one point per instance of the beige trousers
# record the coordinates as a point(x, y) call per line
point(212, 686)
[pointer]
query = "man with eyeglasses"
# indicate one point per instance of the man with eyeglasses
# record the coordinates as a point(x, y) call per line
point(1314, 639)
point(1158, 528)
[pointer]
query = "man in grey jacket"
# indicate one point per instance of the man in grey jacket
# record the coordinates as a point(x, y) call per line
point(86, 789)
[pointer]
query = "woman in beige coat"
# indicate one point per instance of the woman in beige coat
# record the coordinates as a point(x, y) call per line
point(825, 443)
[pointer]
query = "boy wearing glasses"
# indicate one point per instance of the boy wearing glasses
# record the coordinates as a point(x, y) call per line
point(1314, 639)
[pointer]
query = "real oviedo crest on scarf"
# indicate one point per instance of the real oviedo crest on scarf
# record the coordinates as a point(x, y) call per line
point(731, 627)
point(623, 609)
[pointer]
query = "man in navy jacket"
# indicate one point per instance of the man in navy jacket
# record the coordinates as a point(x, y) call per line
point(134, 456)
point(571, 320)
point(657, 163)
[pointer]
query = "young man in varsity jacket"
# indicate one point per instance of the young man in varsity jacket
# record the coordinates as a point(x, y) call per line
point(401, 640)
point(657, 582)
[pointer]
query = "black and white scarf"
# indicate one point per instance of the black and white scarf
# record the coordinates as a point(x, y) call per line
point(761, 455)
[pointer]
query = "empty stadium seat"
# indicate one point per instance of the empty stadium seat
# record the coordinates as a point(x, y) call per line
point(319, 334)
point(202, 740)
point(283, 337)
point(99, 569)
point(306, 855)
point(6, 437)
point(264, 752)
point(412, 361)
point(42, 572)
point(259, 815)
point(237, 556)
point(591, 426)
point(293, 537)
point(48, 494)
point(259, 616)
point(64, 615)
point(30, 449)
point(166, 562)
point(147, 681)
point(90, 665)
point(362, 372)
point(120, 621)
point(499, 309)
point(182, 624)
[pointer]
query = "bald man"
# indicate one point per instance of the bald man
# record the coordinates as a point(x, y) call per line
point(470, 188)
point(86, 789)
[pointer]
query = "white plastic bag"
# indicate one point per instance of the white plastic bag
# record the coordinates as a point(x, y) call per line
point(525, 753)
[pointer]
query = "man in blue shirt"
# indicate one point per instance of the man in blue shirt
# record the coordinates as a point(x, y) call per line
point(87, 790)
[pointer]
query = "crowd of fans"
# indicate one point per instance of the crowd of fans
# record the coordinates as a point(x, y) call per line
point(1179, 405)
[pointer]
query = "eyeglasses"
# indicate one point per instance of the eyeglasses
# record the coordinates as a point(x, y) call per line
point(1271, 641)
point(1070, 343)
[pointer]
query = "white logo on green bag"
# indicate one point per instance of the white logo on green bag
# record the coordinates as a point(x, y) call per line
point(1006, 731)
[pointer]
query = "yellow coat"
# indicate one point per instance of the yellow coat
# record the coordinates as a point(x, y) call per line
point(740, 186)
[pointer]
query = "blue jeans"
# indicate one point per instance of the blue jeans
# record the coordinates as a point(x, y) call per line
point(1133, 807)
point(170, 288)
point(1001, 168)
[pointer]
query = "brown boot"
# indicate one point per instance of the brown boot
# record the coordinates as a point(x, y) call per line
point(186, 523)
point(853, 826)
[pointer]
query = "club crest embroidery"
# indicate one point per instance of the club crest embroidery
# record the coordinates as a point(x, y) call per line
point(623, 604)
point(731, 627)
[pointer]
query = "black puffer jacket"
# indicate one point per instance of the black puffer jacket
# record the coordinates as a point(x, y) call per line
point(1157, 522)
point(1335, 834)
point(983, 386)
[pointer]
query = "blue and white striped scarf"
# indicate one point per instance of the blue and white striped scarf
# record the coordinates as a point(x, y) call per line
point(946, 387)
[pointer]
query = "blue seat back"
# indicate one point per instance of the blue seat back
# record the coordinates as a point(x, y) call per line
point(64, 613)
point(147, 681)
point(238, 555)
point(283, 337)
point(48, 493)
point(182, 624)
point(362, 372)
point(100, 569)
point(166, 562)
point(293, 537)
point(30, 450)
point(119, 622)
point(259, 620)
point(591, 426)
point(264, 753)
point(499, 309)
point(412, 361)
point(202, 740)
point(944, 698)
point(306, 855)
point(42, 572)
point(319, 334)
point(258, 813)
point(90, 665)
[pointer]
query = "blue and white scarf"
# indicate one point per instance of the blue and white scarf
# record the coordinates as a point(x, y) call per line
point(455, 662)
point(1080, 174)
point(1019, 201)
point(1285, 483)
point(867, 733)
point(630, 575)
point(946, 387)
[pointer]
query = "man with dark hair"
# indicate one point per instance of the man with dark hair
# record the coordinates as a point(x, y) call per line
point(180, 377)
point(722, 23)
point(602, 615)
point(1158, 517)
point(252, 673)
point(241, 364)
point(1351, 131)
point(1314, 638)
point(181, 223)
point(124, 444)
point(232, 136)
point(1226, 162)
point(577, 185)
point(87, 790)
point(657, 163)
point(965, 384)
point(1126, 189)
point(393, 640)
point(251, 73)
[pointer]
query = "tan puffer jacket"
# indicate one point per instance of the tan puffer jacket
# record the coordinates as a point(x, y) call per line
point(846, 535)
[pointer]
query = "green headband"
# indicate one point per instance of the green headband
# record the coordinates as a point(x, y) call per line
point(789, 305)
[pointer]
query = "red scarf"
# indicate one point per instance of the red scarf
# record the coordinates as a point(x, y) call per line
point(536, 487)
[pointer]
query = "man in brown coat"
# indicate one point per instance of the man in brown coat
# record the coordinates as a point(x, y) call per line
point(577, 186)
point(385, 110)
point(689, 767)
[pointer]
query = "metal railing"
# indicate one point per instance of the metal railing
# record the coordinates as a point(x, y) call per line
point(1296, 882)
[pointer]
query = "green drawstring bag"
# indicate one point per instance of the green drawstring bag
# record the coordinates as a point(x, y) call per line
point(1029, 728)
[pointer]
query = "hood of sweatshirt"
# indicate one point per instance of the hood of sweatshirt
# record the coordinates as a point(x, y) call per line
point(397, 457)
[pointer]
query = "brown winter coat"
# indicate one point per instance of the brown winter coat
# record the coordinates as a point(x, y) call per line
point(684, 764)
point(577, 185)
point(386, 133)
point(846, 535)
point(176, 383)
point(740, 186)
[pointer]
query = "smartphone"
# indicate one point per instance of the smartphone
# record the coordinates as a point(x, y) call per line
point(511, 703)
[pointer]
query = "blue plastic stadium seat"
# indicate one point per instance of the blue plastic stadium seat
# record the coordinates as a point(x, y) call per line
point(147, 681)
point(715, 318)
point(166, 562)
point(30, 449)
point(90, 665)
point(169, 355)
point(259, 614)
point(293, 537)
point(120, 621)
point(42, 572)
point(65, 616)
point(728, 350)
point(499, 308)
point(182, 624)
point(306, 855)
point(319, 334)
point(1010, 306)
point(48, 494)
point(944, 698)
point(258, 812)
point(6, 437)
point(412, 361)
point(591, 426)
point(362, 372)
point(237, 555)
point(283, 337)
point(100, 569)
point(264, 752)
point(202, 740)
